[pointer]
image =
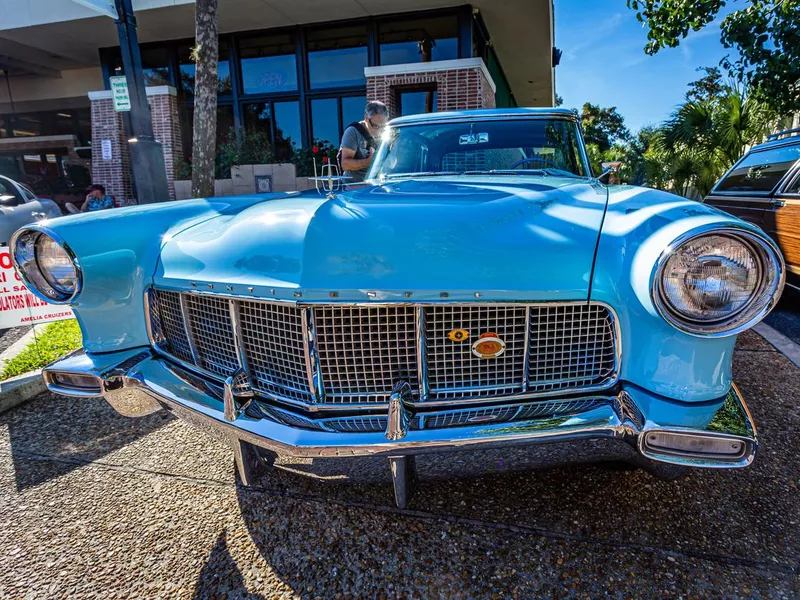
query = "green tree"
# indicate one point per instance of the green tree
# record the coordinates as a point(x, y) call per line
point(764, 34)
point(708, 87)
point(603, 126)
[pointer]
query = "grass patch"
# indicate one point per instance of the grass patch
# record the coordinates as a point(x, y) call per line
point(54, 342)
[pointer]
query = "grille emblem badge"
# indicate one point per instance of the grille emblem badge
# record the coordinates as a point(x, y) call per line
point(489, 345)
point(458, 335)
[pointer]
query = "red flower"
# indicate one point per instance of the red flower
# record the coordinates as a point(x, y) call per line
point(315, 149)
point(324, 160)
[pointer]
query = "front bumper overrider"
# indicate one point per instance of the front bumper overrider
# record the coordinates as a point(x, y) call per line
point(654, 432)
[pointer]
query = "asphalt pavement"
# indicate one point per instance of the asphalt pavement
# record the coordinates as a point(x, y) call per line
point(96, 505)
point(786, 316)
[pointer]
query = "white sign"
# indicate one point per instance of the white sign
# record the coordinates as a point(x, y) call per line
point(104, 7)
point(17, 305)
point(119, 91)
point(105, 146)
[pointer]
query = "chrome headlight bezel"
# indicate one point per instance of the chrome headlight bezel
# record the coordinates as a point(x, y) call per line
point(772, 277)
point(32, 274)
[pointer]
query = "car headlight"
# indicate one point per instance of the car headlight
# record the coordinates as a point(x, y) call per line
point(47, 265)
point(718, 283)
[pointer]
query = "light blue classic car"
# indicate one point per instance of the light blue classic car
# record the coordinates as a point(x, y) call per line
point(482, 290)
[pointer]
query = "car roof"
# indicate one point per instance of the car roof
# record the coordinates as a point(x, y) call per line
point(787, 141)
point(466, 115)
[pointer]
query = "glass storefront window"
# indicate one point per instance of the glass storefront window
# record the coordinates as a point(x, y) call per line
point(268, 64)
point(155, 65)
point(187, 69)
point(258, 118)
point(353, 109)
point(287, 129)
point(419, 40)
point(416, 102)
point(325, 121)
point(225, 126)
point(337, 57)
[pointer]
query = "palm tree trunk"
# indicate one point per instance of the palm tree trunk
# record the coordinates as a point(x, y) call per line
point(204, 142)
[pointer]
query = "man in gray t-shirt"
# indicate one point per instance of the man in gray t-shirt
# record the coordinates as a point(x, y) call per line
point(359, 141)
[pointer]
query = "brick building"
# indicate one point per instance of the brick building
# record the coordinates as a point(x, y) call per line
point(296, 72)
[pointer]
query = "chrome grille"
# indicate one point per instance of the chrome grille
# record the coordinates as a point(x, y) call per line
point(210, 327)
point(166, 324)
point(339, 355)
point(365, 351)
point(272, 335)
point(454, 371)
point(571, 346)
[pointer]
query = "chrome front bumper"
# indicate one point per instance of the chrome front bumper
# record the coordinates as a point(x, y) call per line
point(137, 383)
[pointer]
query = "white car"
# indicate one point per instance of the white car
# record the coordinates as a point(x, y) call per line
point(20, 206)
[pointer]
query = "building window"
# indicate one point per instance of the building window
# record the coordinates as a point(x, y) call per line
point(287, 129)
point(280, 121)
point(337, 57)
point(414, 101)
point(325, 121)
point(187, 69)
point(268, 64)
point(419, 40)
point(353, 109)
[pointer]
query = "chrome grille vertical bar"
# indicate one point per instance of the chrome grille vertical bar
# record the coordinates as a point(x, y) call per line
point(310, 354)
point(187, 326)
point(422, 355)
point(238, 341)
point(526, 361)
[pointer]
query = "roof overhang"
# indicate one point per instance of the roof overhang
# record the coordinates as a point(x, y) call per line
point(62, 34)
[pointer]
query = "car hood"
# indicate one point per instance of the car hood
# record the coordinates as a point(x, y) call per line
point(435, 238)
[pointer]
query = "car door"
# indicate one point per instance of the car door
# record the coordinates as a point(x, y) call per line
point(782, 223)
point(746, 190)
point(13, 210)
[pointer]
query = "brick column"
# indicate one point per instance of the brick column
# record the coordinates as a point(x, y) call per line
point(461, 84)
point(166, 128)
point(114, 170)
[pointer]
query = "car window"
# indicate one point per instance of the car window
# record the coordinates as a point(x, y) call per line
point(760, 171)
point(794, 187)
point(27, 192)
point(8, 195)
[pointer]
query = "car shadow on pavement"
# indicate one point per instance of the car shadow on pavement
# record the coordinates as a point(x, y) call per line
point(69, 433)
point(221, 577)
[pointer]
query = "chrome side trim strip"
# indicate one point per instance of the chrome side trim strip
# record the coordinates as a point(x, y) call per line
point(422, 357)
point(187, 328)
point(526, 361)
point(237, 338)
point(312, 360)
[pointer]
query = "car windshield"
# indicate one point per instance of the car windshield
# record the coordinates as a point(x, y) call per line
point(760, 171)
point(535, 146)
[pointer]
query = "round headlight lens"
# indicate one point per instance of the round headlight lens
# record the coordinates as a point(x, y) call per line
point(46, 266)
point(56, 265)
point(711, 278)
point(719, 283)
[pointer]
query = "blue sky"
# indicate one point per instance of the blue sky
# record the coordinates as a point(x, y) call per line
point(604, 62)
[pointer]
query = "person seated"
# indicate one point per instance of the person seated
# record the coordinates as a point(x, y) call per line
point(96, 199)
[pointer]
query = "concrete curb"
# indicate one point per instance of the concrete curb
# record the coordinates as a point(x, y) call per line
point(782, 344)
point(20, 389)
point(19, 345)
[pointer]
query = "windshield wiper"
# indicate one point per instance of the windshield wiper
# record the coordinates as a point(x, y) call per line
point(542, 172)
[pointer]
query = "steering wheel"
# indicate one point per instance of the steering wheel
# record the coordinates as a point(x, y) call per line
point(544, 161)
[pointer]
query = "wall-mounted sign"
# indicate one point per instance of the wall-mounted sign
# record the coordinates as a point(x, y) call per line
point(17, 305)
point(263, 184)
point(119, 91)
point(105, 147)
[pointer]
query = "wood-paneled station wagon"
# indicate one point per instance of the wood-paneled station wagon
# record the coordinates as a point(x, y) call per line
point(764, 188)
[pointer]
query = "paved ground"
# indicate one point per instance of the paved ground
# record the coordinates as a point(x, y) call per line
point(94, 505)
point(786, 316)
